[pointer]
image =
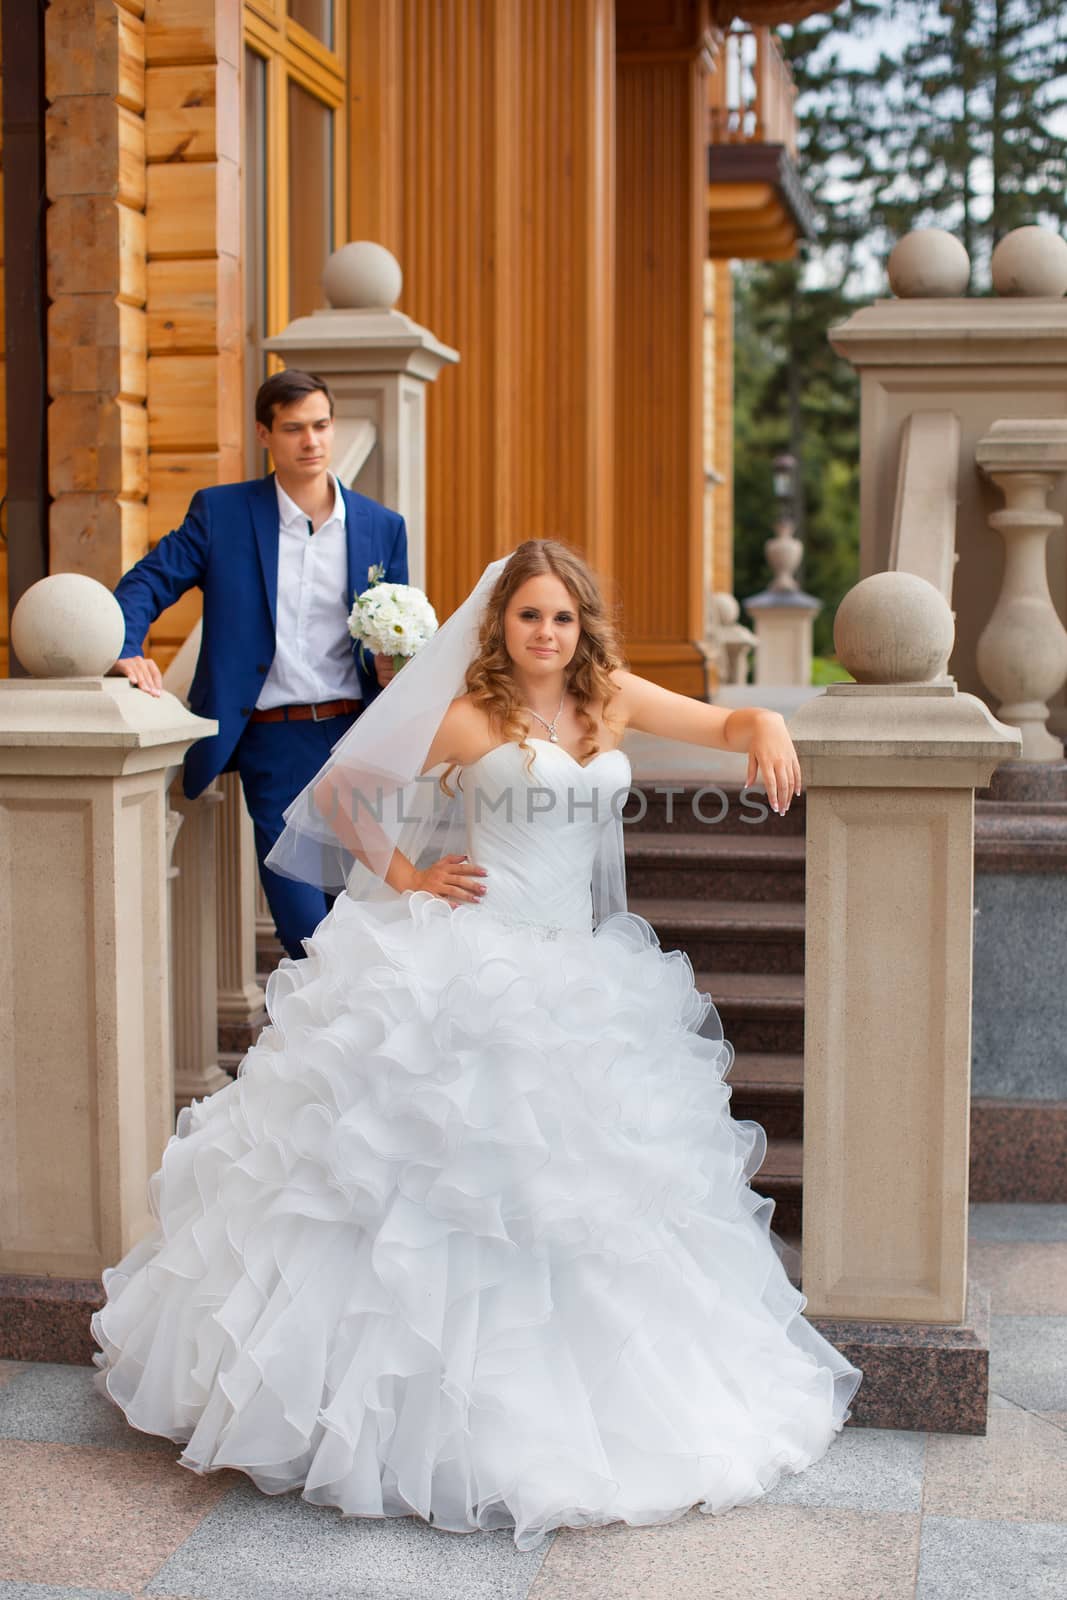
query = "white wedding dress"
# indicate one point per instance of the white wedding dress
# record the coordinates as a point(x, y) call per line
point(471, 1236)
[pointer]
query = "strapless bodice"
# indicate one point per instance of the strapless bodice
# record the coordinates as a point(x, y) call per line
point(535, 826)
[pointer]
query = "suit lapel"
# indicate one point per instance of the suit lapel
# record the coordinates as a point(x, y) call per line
point(265, 525)
point(357, 535)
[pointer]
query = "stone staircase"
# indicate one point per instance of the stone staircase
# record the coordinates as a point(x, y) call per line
point(731, 894)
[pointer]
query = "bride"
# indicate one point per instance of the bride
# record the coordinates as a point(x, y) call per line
point(470, 1237)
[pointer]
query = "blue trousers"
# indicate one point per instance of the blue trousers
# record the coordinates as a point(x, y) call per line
point(276, 760)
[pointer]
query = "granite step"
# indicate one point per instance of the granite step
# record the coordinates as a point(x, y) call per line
point(762, 1012)
point(730, 935)
point(714, 866)
point(682, 805)
point(768, 1088)
point(781, 1179)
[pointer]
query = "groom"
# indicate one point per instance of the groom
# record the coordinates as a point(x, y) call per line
point(279, 560)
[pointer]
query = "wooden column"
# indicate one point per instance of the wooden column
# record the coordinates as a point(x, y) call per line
point(482, 155)
point(659, 400)
point(192, 124)
point(722, 425)
point(23, 375)
point(97, 423)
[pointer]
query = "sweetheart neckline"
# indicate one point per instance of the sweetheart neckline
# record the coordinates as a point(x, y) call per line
point(583, 766)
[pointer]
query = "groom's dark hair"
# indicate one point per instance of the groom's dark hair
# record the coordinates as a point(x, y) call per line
point(283, 389)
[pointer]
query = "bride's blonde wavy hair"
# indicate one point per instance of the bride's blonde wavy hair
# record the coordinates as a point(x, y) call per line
point(588, 673)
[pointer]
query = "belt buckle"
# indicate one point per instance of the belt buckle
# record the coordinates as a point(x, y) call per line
point(315, 712)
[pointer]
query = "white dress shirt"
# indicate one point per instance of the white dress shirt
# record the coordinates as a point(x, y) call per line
point(313, 658)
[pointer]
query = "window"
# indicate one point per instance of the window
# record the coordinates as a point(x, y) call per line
point(293, 169)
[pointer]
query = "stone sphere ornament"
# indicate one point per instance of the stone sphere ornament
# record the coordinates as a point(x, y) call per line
point(67, 626)
point(362, 276)
point(929, 263)
point(1030, 261)
point(894, 628)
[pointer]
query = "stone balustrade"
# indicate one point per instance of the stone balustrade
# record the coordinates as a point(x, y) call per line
point(1022, 650)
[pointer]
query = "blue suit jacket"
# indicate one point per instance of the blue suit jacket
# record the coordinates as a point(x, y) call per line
point(228, 547)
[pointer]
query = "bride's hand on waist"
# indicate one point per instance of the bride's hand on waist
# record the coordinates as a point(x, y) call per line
point(453, 878)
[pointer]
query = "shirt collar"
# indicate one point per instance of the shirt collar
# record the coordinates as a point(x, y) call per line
point(291, 517)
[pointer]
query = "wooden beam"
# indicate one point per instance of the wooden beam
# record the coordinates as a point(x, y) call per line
point(26, 511)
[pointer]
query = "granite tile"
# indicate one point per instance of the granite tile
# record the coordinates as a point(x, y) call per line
point(761, 1552)
point(1017, 1472)
point(56, 1404)
point(973, 1560)
point(252, 1547)
point(47, 1319)
point(1018, 1222)
point(1028, 1361)
point(9, 1370)
point(1019, 1012)
point(1019, 1151)
point(105, 1519)
point(48, 1591)
point(1022, 1279)
point(865, 1469)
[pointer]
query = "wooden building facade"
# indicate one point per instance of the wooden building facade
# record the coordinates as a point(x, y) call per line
point(548, 174)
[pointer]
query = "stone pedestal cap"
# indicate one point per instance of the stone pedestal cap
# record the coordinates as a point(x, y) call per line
point(72, 720)
point(903, 723)
point(361, 331)
point(67, 626)
point(1030, 261)
point(785, 601)
point(928, 263)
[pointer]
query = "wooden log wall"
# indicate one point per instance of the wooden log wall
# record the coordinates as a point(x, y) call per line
point(4, 641)
point(193, 289)
point(482, 155)
point(97, 423)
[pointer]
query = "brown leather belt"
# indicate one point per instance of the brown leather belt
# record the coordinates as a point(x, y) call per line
point(319, 713)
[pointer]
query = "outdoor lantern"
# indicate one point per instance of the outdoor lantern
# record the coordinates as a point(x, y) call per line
point(784, 469)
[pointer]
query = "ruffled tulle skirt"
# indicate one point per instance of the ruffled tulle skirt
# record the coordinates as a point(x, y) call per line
point(470, 1237)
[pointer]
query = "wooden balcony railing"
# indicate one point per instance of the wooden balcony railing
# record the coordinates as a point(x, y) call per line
point(751, 92)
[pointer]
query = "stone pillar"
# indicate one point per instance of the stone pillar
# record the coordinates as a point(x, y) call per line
point(378, 363)
point(891, 763)
point(241, 1011)
point(784, 615)
point(1022, 650)
point(783, 637)
point(86, 1081)
point(194, 949)
point(983, 359)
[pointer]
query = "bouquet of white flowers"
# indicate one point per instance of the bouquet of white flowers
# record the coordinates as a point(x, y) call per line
point(392, 619)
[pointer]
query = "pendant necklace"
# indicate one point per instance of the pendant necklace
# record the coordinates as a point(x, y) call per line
point(553, 736)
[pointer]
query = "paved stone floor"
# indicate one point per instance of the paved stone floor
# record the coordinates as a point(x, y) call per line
point(90, 1510)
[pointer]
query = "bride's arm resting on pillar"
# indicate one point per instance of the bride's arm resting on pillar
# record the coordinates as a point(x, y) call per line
point(761, 735)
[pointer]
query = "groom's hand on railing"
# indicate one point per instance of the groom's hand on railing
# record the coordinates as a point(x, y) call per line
point(142, 673)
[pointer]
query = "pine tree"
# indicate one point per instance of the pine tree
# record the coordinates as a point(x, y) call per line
point(950, 122)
